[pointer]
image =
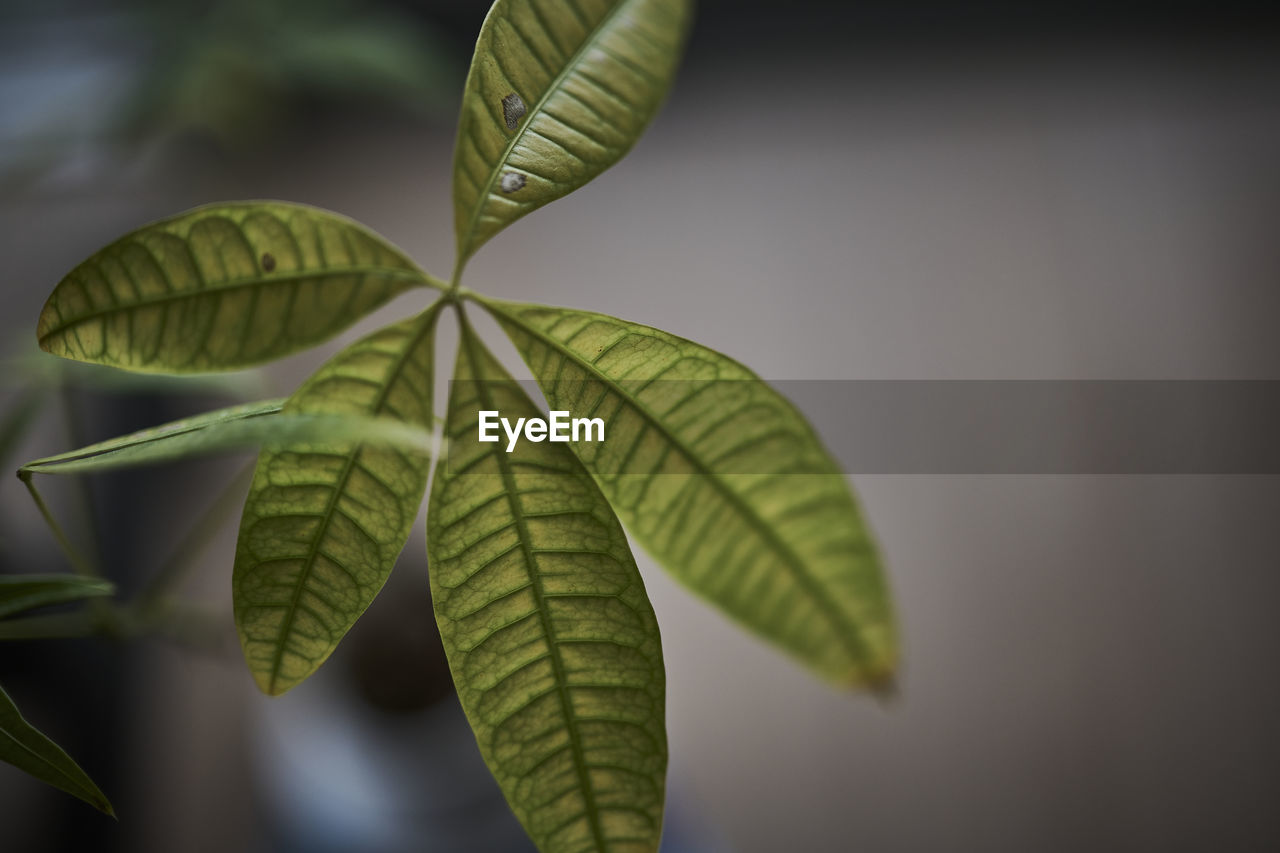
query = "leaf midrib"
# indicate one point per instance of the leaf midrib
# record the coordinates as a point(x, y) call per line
point(89, 794)
point(553, 87)
point(850, 635)
point(62, 591)
point(231, 285)
point(326, 518)
point(270, 407)
point(539, 595)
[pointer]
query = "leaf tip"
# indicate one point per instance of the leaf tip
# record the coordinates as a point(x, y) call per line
point(880, 681)
point(272, 684)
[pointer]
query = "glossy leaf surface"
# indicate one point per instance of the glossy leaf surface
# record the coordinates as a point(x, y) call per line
point(550, 636)
point(222, 287)
point(326, 519)
point(19, 593)
point(559, 91)
point(722, 480)
point(23, 746)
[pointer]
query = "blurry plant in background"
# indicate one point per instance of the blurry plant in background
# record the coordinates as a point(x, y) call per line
point(247, 63)
point(84, 77)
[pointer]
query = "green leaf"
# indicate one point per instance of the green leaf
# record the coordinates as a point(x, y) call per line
point(222, 287)
point(559, 91)
point(325, 520)
point(37, 370)
point(27, 749)
point(723, 481)
point(549, 634)
point(248, 425)
point(19, 593)
point(154, 444)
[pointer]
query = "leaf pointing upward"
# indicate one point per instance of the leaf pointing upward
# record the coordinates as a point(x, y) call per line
point(559, 91)
point(222, 287)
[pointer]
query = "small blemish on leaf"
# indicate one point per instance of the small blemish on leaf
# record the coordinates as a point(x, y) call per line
point(512, 181)
point(268, 261)
point(513, 109)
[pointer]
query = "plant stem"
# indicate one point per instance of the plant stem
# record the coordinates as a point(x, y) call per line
point(438, 284)
point(83, 565)
point(455, 280)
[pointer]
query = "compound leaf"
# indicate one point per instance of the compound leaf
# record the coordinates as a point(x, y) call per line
point(549, 633)
point(559, 91)
point(722, 480)
point(19, 593)
point(222, 287)
point(326, 519)
point(26, 748)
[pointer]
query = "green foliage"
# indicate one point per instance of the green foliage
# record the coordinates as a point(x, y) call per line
point(19, 593)
point(325, 520)
point(558, 91)
point(264, 423)
point(222, 287)
point(26, 748)
point(551, 639)
point(722, 480)
point(550, 636)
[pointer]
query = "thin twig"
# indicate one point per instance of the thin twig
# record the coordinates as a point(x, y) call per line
point(83, 565)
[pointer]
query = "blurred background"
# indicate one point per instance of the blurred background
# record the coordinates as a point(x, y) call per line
point(907, 190)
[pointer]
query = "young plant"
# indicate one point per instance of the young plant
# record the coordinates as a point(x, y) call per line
point(552, 642)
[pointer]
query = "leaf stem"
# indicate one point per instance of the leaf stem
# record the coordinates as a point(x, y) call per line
point(455, 280)
point(434, 282)
point(83, 565)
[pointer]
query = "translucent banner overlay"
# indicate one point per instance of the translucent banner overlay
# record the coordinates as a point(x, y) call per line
point(915, 426)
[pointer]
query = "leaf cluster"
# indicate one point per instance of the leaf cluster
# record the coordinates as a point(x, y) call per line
point(550, 636)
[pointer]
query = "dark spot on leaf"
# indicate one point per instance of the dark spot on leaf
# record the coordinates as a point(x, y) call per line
point(513, 109)
point(268, 261)
point(512, 181)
